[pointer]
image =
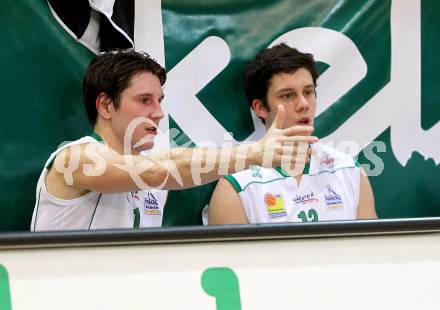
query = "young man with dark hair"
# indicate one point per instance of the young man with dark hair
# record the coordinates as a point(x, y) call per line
point(329, 186)
point(102, 181)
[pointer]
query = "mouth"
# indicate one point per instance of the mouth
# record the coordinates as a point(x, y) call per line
point(304, 121)
point(151, 130)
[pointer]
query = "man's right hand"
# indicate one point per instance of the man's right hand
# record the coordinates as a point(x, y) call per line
point(286, 147)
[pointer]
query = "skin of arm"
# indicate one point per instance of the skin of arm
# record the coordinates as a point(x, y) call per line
point(102, 169)
point(226, 206)
point(366, 209)
point(170, 170)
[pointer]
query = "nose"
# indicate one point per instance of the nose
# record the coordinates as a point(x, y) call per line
point(157, 112)
point(302, 104)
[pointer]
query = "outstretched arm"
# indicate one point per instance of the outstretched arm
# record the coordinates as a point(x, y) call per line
point(101, 169)
point(226, 206)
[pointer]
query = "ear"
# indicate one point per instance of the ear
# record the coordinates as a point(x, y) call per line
point(103, 102)
point(259, 108)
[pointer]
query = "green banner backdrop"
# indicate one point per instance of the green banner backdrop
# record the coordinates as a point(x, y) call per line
point(378, 81)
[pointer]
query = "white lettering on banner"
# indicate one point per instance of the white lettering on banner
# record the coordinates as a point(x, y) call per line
point(148, 36)
point(186, 79)
point(397, 105)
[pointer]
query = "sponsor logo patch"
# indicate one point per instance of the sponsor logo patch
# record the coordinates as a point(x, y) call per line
point(305, 199)
point(151, 206)
point(274, 205)
point(135, 195)
point(327, 161)
point(332, 199)
point(256, 172)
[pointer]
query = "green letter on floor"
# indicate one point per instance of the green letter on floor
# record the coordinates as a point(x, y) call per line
point(5, 296)
point(222, 283)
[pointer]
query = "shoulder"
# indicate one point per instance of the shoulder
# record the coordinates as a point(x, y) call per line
point(64, 146)
point(255, 174)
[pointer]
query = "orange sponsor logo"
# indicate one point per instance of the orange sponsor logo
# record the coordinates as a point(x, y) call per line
point(270, 200)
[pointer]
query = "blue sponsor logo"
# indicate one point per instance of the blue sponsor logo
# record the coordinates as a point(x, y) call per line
point(151, 206)
point(332, 197)
point(305, 199)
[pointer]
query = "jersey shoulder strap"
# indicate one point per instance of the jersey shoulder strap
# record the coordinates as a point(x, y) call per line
point(66, 144)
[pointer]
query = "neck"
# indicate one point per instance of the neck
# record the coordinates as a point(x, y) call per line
point(110, 138)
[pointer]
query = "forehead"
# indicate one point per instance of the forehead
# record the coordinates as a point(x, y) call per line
point(144, 82)
point(299, 79)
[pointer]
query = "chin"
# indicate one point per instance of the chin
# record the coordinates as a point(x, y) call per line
point(145, 147)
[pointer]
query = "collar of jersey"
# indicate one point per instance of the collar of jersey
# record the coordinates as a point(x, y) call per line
point(284, 173)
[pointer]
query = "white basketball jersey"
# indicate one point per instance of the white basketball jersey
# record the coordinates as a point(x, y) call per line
point(328, 190)
point(95, 210)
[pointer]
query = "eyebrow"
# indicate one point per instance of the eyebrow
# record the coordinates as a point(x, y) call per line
point(284, 89)
point(290, 89)
point(149, 95)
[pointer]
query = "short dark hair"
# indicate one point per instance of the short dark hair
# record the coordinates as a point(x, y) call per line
point(111, 72)
point(280, 58)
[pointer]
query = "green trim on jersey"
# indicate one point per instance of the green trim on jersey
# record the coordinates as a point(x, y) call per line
point(284, 175)
point(38, 205)
point(94, 211)
point(333, 171)
point(137, 218)
point(258, 182)
point(234, 183)
point(49, 164)
point(282, 172)
point(96, 137)
point(306, 168)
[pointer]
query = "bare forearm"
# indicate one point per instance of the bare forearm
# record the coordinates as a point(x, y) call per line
point(173, 169)
point(96, 167)
point(188, 167)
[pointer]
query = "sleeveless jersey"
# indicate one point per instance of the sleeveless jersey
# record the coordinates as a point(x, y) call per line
point(328, 190)
point(95, 210)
